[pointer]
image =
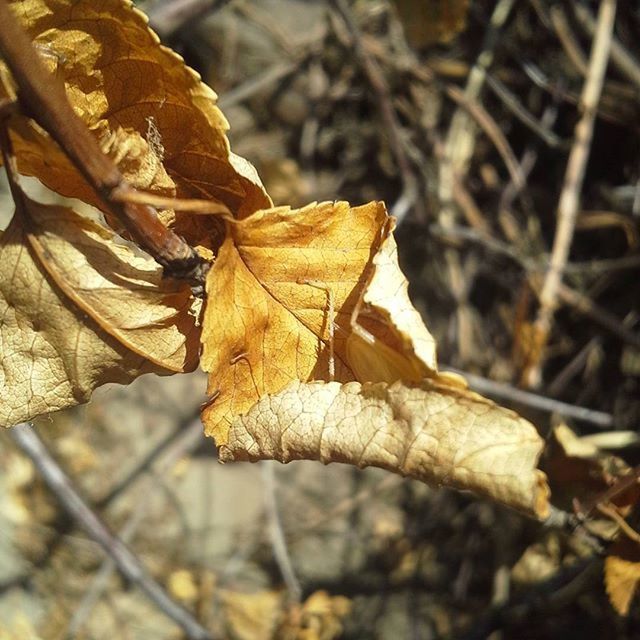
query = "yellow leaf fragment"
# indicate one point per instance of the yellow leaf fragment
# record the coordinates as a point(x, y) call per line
point(267, 318)
point(402, 348)
point(251, 616)
point(318, 618)
point(440, 434)
point(146, 107)
point(622, 574)
point(79, 310)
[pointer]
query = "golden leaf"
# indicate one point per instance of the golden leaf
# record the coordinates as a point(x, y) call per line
point(149, 110)
point(80, 310)
point(440, 434)
point(251, 616)
point(622, 574)
point(405, 350)
point(268, 317)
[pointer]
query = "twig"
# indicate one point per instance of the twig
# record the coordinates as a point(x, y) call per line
point(409, 196)
point(276, 533)
point(184, 438)
point(61, 486)
point(43, 98)
point(568, 40)
point(533, 400)
point(513, 104)
point(583, 304)
point(551, 595)
point(260, 81)
point(461, 136)
point(574, 176)
point(577, 301)
point(179, 445)
point(488, 124)
point(527, 161)
point(168, 17)
point(620, 56)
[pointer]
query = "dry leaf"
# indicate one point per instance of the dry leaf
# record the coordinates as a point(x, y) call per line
point(144, 105)
point(440, 434)
point(251, 616)
point(427, 22)
point(318, 618)
point(80, 310)
point(271, 292)
point(403, 348)
point(183, 586)
point(622, 574)
point(577, 469)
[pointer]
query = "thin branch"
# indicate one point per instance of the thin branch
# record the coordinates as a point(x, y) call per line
point(170, 16)
point(620, 56)
point(574, 177)
point(180, 443)
point(388, 114)
point(62, 487)
point(276, 533)
point(507, 392)
point(42, 97)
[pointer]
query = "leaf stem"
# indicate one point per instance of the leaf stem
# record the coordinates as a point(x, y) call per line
point(42, 97)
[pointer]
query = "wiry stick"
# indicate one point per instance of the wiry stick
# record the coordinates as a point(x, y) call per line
point(43, 98)
point(180, 445)
point(573, 179)
point(388, 114)
point(508, 392)
point(278, 542)
point(61, 486)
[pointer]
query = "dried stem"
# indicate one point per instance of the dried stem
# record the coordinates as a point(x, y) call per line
point(573, 179)
point(409, 197)
point(508, 392)
point(179, 444)
point(42, 97)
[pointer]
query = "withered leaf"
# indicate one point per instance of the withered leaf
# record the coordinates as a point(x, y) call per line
point(271, 292)
point(146, 107)
point(622, 574)
point(432, 431)
point(79, 310)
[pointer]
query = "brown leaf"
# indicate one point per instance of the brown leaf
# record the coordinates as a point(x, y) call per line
point(268, 318)
point(578, 470)
point(428, 22)
point(622, 574)
point(441, 434)
point(150, 111)
point(80, 310)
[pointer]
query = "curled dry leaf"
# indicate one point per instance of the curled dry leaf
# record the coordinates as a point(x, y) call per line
point(79, 310)
point(441, 434)
point(147, 108)
point(281, 295)
point(622, 574)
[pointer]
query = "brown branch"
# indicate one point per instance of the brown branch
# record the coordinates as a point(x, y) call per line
point(180, 444)
point(62, 487)
point(573, 179)
point(42, 97)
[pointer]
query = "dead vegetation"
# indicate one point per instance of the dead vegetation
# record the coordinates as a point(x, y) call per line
point(504, 137)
